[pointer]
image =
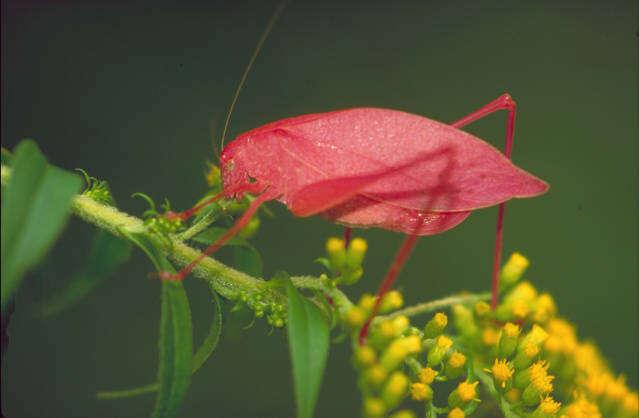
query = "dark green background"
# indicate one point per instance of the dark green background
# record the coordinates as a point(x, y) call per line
point(128, 92)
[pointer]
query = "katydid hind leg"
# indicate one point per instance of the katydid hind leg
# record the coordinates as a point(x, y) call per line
point(504, 102)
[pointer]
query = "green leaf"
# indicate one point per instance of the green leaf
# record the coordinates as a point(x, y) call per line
point(245, 257)
point(308, 337)
point(176, 335)
point(107, 253)
point(212, 234)
point(6, 156)
point(201, 355)
point(35, 206)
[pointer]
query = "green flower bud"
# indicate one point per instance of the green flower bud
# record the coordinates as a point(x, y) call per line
point(436, 326)
point(508, 340)
point(392, 300)
point(438, 351)
point(336, 253)
point(513, 270)
point(455, 365)
point(355, 253)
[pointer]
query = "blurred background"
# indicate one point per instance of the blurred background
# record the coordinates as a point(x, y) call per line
point(129, 92)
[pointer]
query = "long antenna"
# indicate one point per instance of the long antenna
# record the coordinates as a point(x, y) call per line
point(268, 28)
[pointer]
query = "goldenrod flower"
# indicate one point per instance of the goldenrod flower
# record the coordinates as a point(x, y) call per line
point(456, 413)
point(544, 308)
point(547, 408)
point(464, 393)
point(455, 365)
point(540, 383)
point(502, 372)
point(582, 408)
point(427, 375)
point(421, 392)
point(631, 403)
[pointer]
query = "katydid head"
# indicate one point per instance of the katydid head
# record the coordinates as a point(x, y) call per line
point(240, 172)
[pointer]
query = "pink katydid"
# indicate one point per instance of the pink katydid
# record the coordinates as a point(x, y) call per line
point(367, 167)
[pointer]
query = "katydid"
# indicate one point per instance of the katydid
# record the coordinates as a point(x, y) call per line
point(368, 167)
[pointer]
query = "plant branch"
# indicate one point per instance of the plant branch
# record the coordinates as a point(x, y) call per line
point(438, 304)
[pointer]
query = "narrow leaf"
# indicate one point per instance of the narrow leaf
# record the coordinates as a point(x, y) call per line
point(201, 355)
point(35, 206)
point(308, 336)
point(107, 253)
point(176, 335)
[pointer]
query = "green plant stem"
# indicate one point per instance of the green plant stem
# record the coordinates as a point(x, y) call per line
point(227, 281)
point(435, 305)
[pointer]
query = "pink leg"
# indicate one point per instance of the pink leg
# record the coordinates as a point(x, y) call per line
point(347, 236)
point(239, 224)
point(503, 102)
point(188, 213)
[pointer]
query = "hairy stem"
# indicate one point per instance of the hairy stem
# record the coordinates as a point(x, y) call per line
point(435, 305)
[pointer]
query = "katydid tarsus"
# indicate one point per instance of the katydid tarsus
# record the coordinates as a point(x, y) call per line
point(368, 167)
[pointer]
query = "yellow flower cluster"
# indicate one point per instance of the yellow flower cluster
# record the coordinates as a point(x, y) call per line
point(522, 350)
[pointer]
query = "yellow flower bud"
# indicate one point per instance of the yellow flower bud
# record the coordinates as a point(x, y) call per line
point(438, 351)
point(508, 340)
point(336, 253)
point(395, 389)
point(513, 270)
point(367, 302)
point(404, 413)
point(375, 375)
point(436, 326)
point(355, 253)
point(374, 408)
point(482, 310)
point(392, 300)
point(365, 356)
point(400, 324)
point(355, 317)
